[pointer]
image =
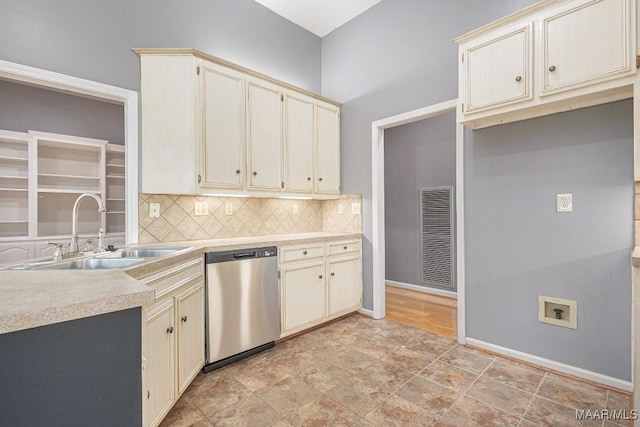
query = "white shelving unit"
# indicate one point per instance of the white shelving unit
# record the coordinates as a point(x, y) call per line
point(41, 176)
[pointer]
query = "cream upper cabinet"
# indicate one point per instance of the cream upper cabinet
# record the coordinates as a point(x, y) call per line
point(265, 136)
point(553, 56)
point(584, 42)
point(210, 126)
point(223, 139)
point(327, 149)
point(498, 71)
point(298, 142)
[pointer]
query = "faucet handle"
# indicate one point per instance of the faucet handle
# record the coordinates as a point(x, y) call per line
point(58, 253)
point(88, 247)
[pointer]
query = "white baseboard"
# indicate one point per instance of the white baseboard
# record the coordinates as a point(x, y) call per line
point(426, 290)
point(366, 312)
point(551, 364)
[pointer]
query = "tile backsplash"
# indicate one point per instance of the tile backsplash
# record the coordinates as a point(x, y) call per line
point(250, 217)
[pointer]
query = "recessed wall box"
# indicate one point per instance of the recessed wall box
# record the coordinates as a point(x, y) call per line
point(557, 311)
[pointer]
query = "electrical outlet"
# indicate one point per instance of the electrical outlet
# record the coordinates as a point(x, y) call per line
point(355, 208)
point(228, 209)
point(340, 209)
point(201, 209)
point(564, 202)
point(295, 209)
point(154, 210)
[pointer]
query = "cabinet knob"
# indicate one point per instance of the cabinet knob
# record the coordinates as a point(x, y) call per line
point(345, 248)
point(552, 68)
point(237, 171)
point(319, 179)
point(308, 178)
point(304, 252)
point(518, 78)
point(170, 330)
point(333, 274)
point(320, 276)
point(148, 394)
point(184, 318)
point(255, 173)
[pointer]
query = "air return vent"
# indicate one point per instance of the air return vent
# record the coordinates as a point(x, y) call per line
point(437, 234)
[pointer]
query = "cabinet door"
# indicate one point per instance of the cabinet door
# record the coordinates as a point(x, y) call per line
point(298, 143)
point(586, 43)
point(190, 321)
point(498, 71)
point(344, 284)
point(223, 94)
point(327, 177)
point(303, 294)
point(265, 137)
point(159, 371)
point(16, 251)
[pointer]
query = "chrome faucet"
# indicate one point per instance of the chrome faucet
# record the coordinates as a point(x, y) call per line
point(73, 247)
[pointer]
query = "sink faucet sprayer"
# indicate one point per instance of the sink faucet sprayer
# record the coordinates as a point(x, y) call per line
point(73, 247)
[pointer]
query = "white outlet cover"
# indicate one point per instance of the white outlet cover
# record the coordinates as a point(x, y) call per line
point(295, 209)
point(564, 202)
point(154, 210)
point(355, 208)
point(228, 209)
point(340, 209)
point(201, 209)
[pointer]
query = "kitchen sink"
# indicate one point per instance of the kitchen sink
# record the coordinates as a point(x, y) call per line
point(89, 264)
point(140, 252)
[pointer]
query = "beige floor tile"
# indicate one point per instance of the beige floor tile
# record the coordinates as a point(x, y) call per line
point(396, 411)
point(183, 414)
point(409, 360)
point(572, 393)
point(351, 360)
point(261, 376)
point(322, 412)
point(288, 394)
point(294, 361)
point(375, 346)
point(501, 396)
point(211, 392)
point(515, 374)
point(358, 395)
point(387, 375)
point(323, 376)
point(449, 376)
point(619, 401)
point(544, 412)
point(428, 347)
point(468, 359)
point(433, 397)
point(470, 412)
point(249, 412)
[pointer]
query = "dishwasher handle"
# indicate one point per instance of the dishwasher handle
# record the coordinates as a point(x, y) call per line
point(244, 255)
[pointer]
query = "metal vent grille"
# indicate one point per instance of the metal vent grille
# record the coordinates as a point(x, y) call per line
point(436, 218)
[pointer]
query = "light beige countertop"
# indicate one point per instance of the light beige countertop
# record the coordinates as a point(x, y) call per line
point(635, 257)
point(32, 298)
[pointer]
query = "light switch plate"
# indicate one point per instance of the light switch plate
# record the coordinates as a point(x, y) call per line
point(201, 209)
point(295, 209)
point(228, 209)
point(564, 202)
point(154, 210)
point(355, 208)
point(340, 209)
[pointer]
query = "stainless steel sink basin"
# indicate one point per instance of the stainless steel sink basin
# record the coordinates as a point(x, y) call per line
point(141, 252)
point(89, 264)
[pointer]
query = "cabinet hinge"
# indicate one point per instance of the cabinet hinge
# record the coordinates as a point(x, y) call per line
point(462, 56)
point(199, 179)
point(198, 70)
point(281, 97)
point(463, 107)
point(281, 184)
point(638, 62)
point(278, 274)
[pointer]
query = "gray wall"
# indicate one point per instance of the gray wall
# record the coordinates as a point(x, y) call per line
point(93, 39)
point(26, 108)
point(417, 155)
point(398, 56)
point(518, 247)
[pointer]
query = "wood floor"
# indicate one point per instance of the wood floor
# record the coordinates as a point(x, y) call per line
point(431, 313)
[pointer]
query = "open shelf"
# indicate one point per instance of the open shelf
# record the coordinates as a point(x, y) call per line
point(68, 182)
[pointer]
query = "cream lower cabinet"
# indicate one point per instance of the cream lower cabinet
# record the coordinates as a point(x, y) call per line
point(319, 282)
point(173, 338)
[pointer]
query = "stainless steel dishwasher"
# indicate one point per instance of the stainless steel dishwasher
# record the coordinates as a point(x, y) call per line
point(242, 304)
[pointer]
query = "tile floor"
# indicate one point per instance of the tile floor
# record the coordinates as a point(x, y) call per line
point(363, 372)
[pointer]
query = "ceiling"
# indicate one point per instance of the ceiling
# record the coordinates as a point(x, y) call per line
point(319, 16)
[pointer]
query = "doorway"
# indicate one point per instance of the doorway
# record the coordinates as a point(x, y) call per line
point(378, 206)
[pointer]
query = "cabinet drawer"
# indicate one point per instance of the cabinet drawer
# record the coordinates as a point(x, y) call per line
point(296, 253)
point(337, 248)
point(170, 279)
